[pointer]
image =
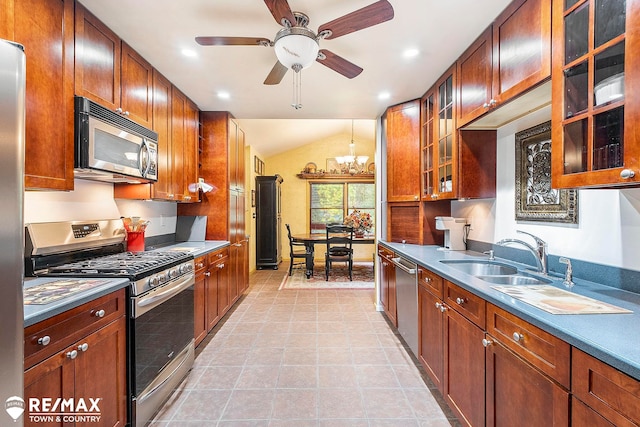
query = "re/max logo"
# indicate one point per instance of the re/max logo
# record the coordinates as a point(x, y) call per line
point(57, 405)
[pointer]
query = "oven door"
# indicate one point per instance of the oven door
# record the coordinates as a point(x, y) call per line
point(162, 343)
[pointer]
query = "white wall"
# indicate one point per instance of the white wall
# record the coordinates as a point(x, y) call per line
point(92, 200)
point(608, 231)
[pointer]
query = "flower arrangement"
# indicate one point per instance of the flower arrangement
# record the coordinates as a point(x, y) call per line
point(360, 221)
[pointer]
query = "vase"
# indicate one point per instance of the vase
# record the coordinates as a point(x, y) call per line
point(359, 233)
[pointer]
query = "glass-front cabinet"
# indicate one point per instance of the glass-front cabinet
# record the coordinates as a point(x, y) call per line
point(596, 78)
point(439, 139)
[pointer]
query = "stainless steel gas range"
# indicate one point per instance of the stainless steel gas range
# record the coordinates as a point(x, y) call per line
point(161, 309)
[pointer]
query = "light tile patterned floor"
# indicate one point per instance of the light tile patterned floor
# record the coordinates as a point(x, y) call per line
point(303, 358)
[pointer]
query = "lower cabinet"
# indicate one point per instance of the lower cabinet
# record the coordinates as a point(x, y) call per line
point(388, 284)
point(211, 296)
point(80, 355)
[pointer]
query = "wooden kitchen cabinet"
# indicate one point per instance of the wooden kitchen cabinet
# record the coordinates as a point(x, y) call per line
point(595, 109)
point(455, 163)
point(450, 344)
point(222, 165)
point(110, 72)
point(388, 284)
point(522, 358)
point(211, 300)
point(496, 68)
point(85, 358)
point(45, 29)
point(610, 395)
point(402, 137)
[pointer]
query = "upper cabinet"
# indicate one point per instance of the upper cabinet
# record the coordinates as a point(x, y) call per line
point(595, 109)
point(402, 135)
point(455, 163)
point(45, 29)
point(512, 56)
point(110, 72)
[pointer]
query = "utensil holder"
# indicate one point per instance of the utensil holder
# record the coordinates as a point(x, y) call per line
point(135, 241)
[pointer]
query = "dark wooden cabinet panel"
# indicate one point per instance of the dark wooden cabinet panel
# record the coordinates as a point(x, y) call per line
point(200, 302)
point(136, 86)
point(475, 77)
point(518, 394)
point(464, 375)
point(98, 52)
point(516, 69)
point(431, 335)
point(611, 393)
point(512, 56)
point(469, 305)
point(431, 281)
point(477, 153)
point(546, 352)
point(388, 284)
point(582, 415)
point(92, 362)
point(45, 29)
point(402, 136)
point(161, 113)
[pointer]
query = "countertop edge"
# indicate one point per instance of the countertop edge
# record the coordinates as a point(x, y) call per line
point(552, 324)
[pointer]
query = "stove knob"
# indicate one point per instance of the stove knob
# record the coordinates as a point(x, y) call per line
point(173, 273)
point(161, 278)
point(154, 281)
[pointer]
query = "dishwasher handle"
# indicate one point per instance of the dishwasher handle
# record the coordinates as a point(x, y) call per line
point(398, 263)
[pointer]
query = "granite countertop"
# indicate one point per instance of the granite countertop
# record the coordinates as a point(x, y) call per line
point(611, 338)
point(34, 313)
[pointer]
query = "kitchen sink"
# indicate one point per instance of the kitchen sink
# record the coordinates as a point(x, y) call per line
point(481, 268)
point(515, 279)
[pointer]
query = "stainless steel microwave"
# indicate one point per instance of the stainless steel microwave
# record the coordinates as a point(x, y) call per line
point(110, 147)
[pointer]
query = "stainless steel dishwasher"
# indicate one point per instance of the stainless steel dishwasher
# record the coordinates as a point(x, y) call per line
point(407, 301)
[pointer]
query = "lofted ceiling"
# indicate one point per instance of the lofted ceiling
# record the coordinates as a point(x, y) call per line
point(161, 29)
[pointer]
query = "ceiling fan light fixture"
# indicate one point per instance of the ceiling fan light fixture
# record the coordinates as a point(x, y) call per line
point(296, 46)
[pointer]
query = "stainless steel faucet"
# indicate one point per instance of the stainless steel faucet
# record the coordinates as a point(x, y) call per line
point(540, 251)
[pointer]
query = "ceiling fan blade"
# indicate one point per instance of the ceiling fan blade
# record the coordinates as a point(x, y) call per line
point(276, 75)
point(280, 10)
point(368, 16)
point(338, 64)
point(233, 41)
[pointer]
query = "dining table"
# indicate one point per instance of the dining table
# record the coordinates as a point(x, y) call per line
point(312, 239)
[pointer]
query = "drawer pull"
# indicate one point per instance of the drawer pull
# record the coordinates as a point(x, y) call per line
point(208, 273)
point(99, 313)
point(627, 173)
point(486, 342)
point(438, 305)
point(427, 279)
point(460, 300)
point(83, 347)
point(45, 340)
point(221, 266)
point(200, 265)
point(518, 337)
point(72, 354)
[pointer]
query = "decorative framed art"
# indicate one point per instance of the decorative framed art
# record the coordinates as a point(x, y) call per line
point(536, 200)
point(258, 165)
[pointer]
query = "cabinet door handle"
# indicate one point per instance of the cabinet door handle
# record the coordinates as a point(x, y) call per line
point(45, 340)
point(486, 342)
point(221, 266)
point(119, 110)
point(460, 300)
point(492, 102)
point(187, 198)
point(208, 273)
point(485, 105)
point(99, 313)
point(443, 308)
point(83, 347)
point(434, 196)
point(427, 279)
point(518, 337)
point(627, 173)
point(72, 354)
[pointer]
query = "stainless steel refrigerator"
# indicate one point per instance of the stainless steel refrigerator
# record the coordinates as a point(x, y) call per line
point(12, 129)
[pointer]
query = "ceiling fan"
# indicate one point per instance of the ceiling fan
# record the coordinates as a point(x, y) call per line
point(297, 46)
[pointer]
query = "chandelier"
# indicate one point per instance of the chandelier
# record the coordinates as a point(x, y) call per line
point(351, 163)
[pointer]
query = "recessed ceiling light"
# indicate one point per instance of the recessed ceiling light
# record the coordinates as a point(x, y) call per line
point(410, 53)
point(384, 95)
point(224, 95)
point(189, 52)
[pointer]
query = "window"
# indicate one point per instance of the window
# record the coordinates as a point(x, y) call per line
point(331, 202)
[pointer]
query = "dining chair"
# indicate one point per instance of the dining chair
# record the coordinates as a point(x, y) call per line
point(339, 248)
point(297, 250)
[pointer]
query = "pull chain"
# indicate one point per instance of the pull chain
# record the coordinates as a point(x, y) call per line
point(297, 87)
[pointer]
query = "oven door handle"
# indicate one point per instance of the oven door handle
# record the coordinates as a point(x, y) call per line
point(147, 302)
